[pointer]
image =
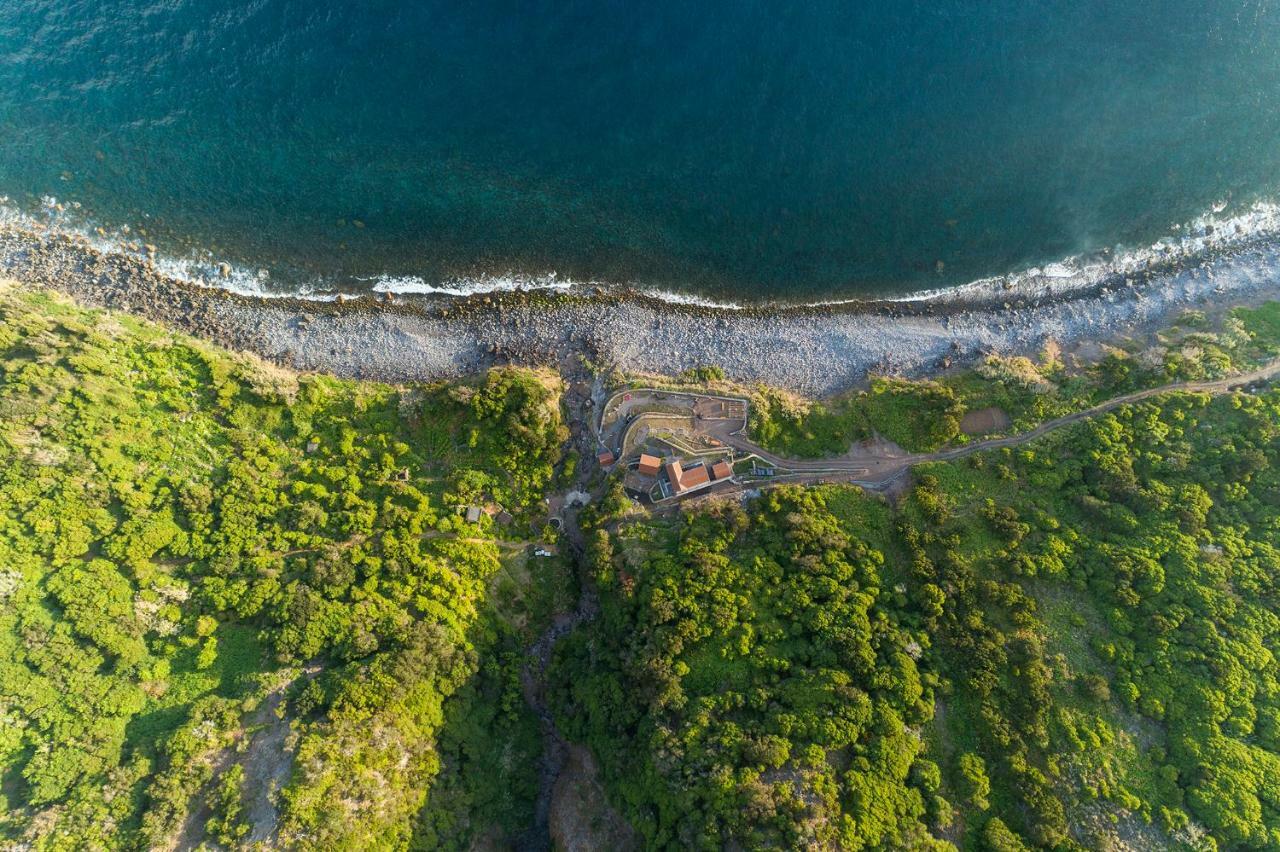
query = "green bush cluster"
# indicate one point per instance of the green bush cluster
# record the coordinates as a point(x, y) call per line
point(1071, 644)
point(918, 416)
point(1075, 642)
point(749, 683)
point(1157, 523)
point(189, 538)
point(783, 425)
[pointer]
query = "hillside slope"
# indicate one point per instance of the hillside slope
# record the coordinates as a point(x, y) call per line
point(217, 577)
point(1068, 644)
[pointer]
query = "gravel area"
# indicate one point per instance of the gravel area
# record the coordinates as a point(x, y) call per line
point(815, 350)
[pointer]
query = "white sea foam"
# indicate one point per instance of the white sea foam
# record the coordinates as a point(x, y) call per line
point(511, 282)
point(1205, 234)
point(689, 299)
point(203, 272)
point(413, 285)
point(1210, 232)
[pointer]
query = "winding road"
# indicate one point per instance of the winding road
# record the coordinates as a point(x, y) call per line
point(877, 467)
point(873, 471)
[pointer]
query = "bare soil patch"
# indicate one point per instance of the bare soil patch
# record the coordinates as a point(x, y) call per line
point(267, 766)
point(984, 421)
point(877, 445)
point(581, 819)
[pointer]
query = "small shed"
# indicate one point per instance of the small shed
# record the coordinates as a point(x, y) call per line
point(721, 470)
point(605, 458)
point(649, 465)
point(473, 514)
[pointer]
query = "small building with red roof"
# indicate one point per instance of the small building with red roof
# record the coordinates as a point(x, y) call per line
point(649, 465)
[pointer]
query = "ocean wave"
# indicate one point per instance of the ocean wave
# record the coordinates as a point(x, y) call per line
point(690, 299)
point(255, 283)
point(412, 285)
point(204, 271)
point(1206, 235)
point(407, 285)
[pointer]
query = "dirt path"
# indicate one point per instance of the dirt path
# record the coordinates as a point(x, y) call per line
point(556, 749)
point(877, 470)
point(496, 542)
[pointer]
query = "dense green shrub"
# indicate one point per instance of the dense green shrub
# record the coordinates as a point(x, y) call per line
point(751, 685)
point(1082, 631)
point(186, 534)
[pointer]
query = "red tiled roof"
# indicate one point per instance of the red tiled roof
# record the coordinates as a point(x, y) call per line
point(695, 476)
point(605, 458)
point(683, 480)
point(721, 470)
point(649, 465)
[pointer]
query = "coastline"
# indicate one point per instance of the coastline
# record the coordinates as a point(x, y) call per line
point(817, 350)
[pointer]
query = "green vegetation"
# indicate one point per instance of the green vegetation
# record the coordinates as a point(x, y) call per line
point(917, 416)
point(743, 684)
point(800, 429)
point(243, 606)
point(1068, 644)
point(702, 375)
point(191, 539)
point(1262, 326)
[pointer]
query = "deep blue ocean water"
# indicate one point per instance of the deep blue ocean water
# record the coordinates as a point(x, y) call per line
point(739, 150)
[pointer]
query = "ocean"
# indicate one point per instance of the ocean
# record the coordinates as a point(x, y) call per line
point(729, 151)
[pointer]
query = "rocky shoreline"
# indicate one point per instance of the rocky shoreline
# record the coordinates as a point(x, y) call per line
point(816, 350)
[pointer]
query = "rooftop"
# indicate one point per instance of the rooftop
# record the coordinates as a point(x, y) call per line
point(695, 476)
point(649, 465)
point(698, 474)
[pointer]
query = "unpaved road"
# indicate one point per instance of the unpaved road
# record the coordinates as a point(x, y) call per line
point(876, 468)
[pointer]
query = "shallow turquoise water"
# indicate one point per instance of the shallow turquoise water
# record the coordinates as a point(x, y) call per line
point(740, 150)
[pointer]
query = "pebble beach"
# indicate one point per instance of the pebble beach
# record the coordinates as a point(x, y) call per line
point(815, 350)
